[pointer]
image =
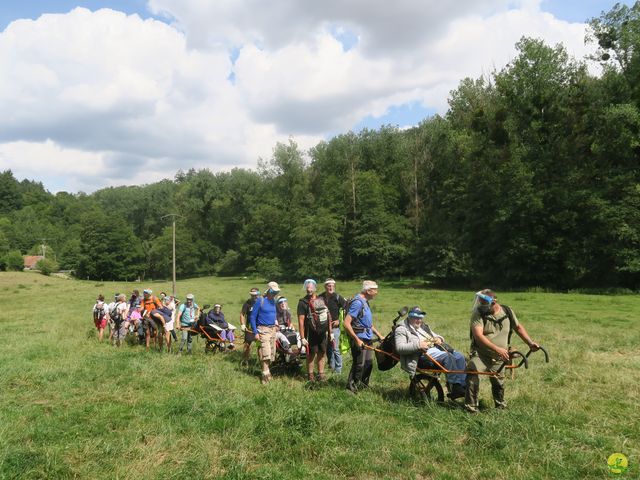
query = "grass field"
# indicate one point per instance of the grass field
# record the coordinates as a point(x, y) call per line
point(73, 408)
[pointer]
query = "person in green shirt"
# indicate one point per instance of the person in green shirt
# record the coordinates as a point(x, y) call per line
point(491, 327)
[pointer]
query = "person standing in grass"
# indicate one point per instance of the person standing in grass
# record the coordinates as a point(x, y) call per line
point(314, 321)
point(120, 317)
point(187, 313)
point(245, 326)
point(336, 304)
point(169, 301)
point(358, 323)
point(491, 327)
point(263, 323)
point(100, 316)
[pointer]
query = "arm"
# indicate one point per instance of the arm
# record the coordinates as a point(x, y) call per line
point(350, 332)
point(253, 319)
point(301, 328)
point(404, 344)
point(479, 337)
point(522, 333)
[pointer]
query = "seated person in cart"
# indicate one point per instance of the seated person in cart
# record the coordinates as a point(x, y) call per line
point(286, 334)
point(216, 326)
point(417, 345)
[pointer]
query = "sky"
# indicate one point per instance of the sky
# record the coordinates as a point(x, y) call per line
point(104, 93)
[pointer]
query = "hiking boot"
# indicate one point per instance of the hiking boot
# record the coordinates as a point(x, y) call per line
point(322, 378)
point(265, 378)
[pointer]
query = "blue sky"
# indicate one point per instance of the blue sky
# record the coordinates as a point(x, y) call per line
point(82, 108)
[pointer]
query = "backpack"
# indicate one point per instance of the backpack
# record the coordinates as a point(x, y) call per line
point(357, 329)
point(317, 316)
point(512, 326)
point(99, 313)
point(115, 314)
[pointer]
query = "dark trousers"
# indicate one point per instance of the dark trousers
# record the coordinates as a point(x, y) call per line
point(361, 366)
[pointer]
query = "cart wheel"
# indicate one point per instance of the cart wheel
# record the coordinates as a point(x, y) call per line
point(426, 388)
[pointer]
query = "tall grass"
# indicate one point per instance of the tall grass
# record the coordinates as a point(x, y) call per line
point(73, 408)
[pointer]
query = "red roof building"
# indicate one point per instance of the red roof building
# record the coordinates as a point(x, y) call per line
point(31, 260)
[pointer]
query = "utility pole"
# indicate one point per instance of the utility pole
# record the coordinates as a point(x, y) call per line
point(173, 216)
point(43, 245)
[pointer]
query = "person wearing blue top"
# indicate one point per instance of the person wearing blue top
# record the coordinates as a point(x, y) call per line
point(187, 314)
point(358, 324)
point(263, 322)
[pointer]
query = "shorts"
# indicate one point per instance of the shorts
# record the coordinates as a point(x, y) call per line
point(169, 326)
point(101, 323)
point(249, 337)
point(317, 342)
point(267, 337)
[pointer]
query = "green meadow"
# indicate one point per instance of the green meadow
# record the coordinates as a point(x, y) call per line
point(73, 408)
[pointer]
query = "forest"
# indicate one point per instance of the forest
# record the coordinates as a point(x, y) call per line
point(530, 179)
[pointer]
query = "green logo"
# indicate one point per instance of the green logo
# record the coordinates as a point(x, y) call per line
point(617, 463)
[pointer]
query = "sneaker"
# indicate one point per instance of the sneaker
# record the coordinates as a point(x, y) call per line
point(470, 409)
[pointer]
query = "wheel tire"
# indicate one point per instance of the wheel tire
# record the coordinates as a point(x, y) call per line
point(426, 388)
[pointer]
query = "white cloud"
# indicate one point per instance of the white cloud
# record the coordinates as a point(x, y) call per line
point(121, 99)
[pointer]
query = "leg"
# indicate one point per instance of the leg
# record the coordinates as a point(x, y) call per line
point(336, 356)
point(497, 388)
point(189, 342)
point(357, 367)
point(367, 367)
point(471, 401)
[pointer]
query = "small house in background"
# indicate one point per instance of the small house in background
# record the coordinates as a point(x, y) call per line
point(31, 260)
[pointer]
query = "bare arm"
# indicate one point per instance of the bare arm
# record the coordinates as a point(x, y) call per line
point(301, 325)
point(522, 333)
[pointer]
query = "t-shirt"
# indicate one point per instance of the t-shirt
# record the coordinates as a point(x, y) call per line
point(263, 313)
point(362, 318)
point(151, 303)
point(496, 328)
point(303, 306)
point(246, 311)
point(187, 314)
point(335, 303)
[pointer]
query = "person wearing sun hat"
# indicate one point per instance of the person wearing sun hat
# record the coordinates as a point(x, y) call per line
point(264, 324)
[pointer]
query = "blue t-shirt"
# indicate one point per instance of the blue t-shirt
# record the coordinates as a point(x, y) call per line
point(263, 313)
point(361, 318)
point(187, 315)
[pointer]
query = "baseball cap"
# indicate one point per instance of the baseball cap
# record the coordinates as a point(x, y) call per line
point(416, 312)
point(273, 286)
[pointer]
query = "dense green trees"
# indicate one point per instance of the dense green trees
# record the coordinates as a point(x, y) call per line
point(531, 178)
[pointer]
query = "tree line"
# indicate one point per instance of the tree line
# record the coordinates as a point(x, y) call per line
point(531, 178)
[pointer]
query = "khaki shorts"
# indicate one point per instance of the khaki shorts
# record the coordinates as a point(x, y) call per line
point(267, 337)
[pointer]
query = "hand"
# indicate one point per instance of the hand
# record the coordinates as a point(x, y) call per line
point(243, 328)
point(503, 353)
point(437, 341)
point(534, 346)
point(304, 342)
point(361, 344)
point(335, 324)
point(424, 345)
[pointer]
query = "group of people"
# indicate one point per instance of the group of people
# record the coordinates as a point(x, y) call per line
point(321, 319)
point(158, 318)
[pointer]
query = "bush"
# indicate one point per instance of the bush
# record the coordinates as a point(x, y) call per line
point(229, 264)
point(268, 268)
point(47, 266)
point(14, 261)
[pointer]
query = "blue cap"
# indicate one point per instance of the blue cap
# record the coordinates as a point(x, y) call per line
point(416, 312)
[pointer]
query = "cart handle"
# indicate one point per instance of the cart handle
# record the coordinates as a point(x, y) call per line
point(546, 354)
point(514, 354)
